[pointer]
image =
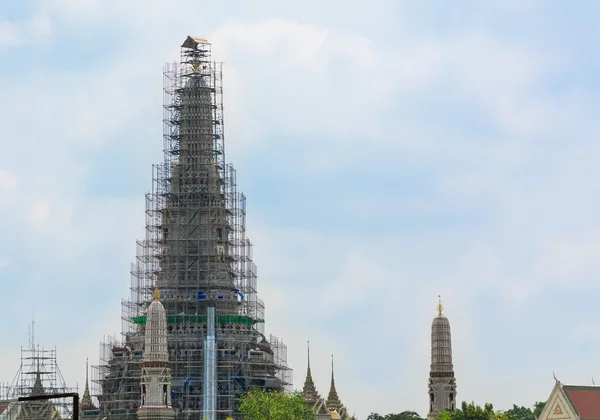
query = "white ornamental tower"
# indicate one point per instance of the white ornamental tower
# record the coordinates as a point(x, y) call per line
point(156, 370)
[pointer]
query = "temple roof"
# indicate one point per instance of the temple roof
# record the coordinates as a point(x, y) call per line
point(333, 400)
point(193, 42)
point(585, 400)
point(38, 388)
point(332, 408)
point(320, 407)
point(572, 402)
point(310, 391)
point(86, 400)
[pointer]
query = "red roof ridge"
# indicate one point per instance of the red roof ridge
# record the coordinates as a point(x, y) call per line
point(587, 387)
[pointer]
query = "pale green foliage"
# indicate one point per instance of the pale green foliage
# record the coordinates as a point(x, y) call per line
point(525, 413)
point(474, 412)
point(261, 405)
point(470, 412)
point(444, 415)
point(405, 415)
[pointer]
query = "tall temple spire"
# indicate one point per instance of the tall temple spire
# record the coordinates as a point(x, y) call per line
point(309, 390)
point(86, 400)
point(87, 409)
point(197, 255)
point(442, 383)
point(332, 375)
point(308, 373)
point(38, 386)
point(333, 400)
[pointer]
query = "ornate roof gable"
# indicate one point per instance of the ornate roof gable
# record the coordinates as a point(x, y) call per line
point(558, 406)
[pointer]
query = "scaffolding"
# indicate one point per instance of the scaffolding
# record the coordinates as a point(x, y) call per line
point(38, 374)
point(197, 252)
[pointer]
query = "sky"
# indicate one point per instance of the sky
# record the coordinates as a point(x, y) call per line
point(390, 151)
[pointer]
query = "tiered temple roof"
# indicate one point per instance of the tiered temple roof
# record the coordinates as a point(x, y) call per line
point(332, 408)
point(87, 407)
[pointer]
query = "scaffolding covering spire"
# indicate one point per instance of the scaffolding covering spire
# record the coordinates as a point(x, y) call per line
point(196, 253)
point(39, 374)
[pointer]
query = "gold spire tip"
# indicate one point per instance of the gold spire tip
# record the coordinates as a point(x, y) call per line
point(440, 307)
point(156, 292)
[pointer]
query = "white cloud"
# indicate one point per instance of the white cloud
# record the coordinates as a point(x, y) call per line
point(588, 332)
point(36, 30)
point(569, 262)
point(4, 262)
point(8, 181)
point(296, 70)
point(8, 34)
point(40, 213)
point(360, 279)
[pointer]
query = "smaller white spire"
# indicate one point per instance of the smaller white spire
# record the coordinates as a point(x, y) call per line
point(156, 371)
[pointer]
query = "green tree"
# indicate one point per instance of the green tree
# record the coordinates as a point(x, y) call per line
point(405, 415)
point(537, 409)
point(261, 405)
point(474, 412)
point(444, 415)
point(524, 413)
point(521, 413)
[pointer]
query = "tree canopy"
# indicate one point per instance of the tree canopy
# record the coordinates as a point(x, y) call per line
point(525, 413)
point(405, 415)
point(474, 412)
point(259, 404)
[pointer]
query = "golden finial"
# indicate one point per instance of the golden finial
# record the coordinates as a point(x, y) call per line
point(156, 292)
point(440, 307)
point(196, 65)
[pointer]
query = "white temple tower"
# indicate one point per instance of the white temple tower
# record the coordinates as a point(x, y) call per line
point(442, 383)
point(156, 370)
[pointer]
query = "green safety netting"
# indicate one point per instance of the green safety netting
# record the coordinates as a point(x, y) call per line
point(199, 319)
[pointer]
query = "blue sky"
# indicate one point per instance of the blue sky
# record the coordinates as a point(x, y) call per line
point(390, 152)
